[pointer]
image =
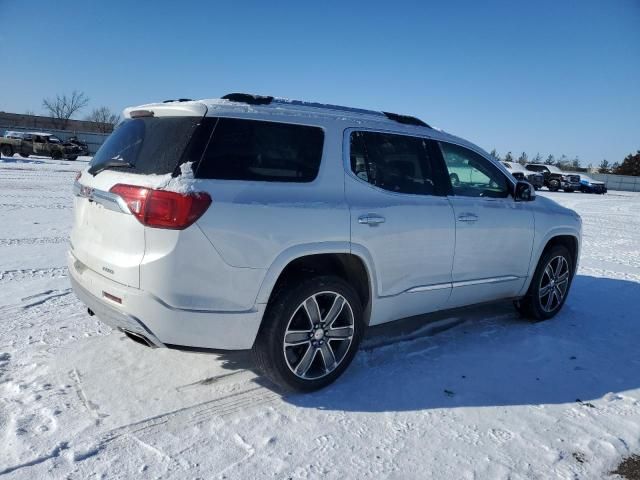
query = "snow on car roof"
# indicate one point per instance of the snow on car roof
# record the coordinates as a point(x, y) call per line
point(294, 108)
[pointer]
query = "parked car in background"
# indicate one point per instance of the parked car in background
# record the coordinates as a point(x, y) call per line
point(554, 178)
point(11, 134)
point(521, 173)
point(84, 148)
point(38, 143)
point(589, 185)
point(289, 227)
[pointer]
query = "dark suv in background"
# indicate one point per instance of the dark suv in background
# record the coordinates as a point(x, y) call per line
point(554, 178)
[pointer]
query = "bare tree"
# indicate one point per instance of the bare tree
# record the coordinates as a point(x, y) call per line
point(63, 107)
point(105, 119)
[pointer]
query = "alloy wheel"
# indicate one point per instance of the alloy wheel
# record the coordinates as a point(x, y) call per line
point(554, 283)
point(318, 335)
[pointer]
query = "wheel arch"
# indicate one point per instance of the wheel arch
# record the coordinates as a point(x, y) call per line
point(569, 239)
point(326, 260)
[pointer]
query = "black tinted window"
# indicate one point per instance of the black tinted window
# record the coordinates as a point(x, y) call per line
point(393, 162)
point(266, 151)
point(472, 175)
point(151, 145)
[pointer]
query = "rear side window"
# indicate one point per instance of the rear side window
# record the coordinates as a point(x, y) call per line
point(152, 145)
point(397, 163)
point(263, 151)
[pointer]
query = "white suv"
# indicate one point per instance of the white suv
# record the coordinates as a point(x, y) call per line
point(288, 227)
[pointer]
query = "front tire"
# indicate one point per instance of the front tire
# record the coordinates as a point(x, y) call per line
point(310, 333)
point(56, 155)
point(550, 285)
point(554, 185)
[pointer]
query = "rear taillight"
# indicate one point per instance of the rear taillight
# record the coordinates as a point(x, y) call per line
point(161, 208)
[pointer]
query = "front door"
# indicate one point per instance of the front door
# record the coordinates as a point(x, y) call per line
point(494, 233)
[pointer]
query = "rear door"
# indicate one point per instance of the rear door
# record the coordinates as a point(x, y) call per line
point(494, 233)
point(401, 218)
point(142, 151)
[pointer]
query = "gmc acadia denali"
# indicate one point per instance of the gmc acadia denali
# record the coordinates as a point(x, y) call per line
point(288, 227)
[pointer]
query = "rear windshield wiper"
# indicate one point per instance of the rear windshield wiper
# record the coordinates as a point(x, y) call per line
point(96, 169)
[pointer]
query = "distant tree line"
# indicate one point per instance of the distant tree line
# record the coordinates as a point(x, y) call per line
point(64, 107)
point(629, 166)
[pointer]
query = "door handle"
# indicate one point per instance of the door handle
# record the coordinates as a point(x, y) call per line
point(467, 217)
point(371, 219)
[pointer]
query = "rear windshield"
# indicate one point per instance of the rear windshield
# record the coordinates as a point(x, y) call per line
point(264, 151)
point(151, 145)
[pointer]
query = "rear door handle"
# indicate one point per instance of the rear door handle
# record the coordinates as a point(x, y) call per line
point(467, 217)
point(371, 219)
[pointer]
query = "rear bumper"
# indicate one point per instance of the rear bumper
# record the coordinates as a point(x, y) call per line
point(143, 314)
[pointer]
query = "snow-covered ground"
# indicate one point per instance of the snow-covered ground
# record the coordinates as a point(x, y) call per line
point(492, 396)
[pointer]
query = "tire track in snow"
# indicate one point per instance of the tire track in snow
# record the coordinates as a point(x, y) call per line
point(20, 275)
point(50, 206)
point(227, 406)
point(11, 242)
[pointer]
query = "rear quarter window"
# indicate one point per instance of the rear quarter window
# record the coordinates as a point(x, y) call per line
point(240, 149)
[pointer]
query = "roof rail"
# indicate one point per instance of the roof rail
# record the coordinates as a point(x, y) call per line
point(248, 98)
point(267, 100)
point(406, 119)
point(328, 106)
point(178, 100)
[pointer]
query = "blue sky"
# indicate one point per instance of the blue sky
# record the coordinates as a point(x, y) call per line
point(559, 77)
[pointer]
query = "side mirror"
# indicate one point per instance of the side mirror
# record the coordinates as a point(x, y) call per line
point(524, 192)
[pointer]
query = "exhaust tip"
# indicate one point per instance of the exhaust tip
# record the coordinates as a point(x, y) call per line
point(138, 338)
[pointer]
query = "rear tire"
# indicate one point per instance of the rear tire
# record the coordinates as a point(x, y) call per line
point(321, 343)
point(550, 285)
point(24, 155)
point(56, 155)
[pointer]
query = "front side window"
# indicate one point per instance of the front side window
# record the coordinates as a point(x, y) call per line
point(472, 175)
point(263, 151)
point(397, 163)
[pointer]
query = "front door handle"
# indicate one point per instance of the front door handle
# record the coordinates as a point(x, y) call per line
point(371, 219)
point(467, 217)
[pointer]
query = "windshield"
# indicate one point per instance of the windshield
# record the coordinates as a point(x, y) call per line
point(554, 169)
point(149, 145)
